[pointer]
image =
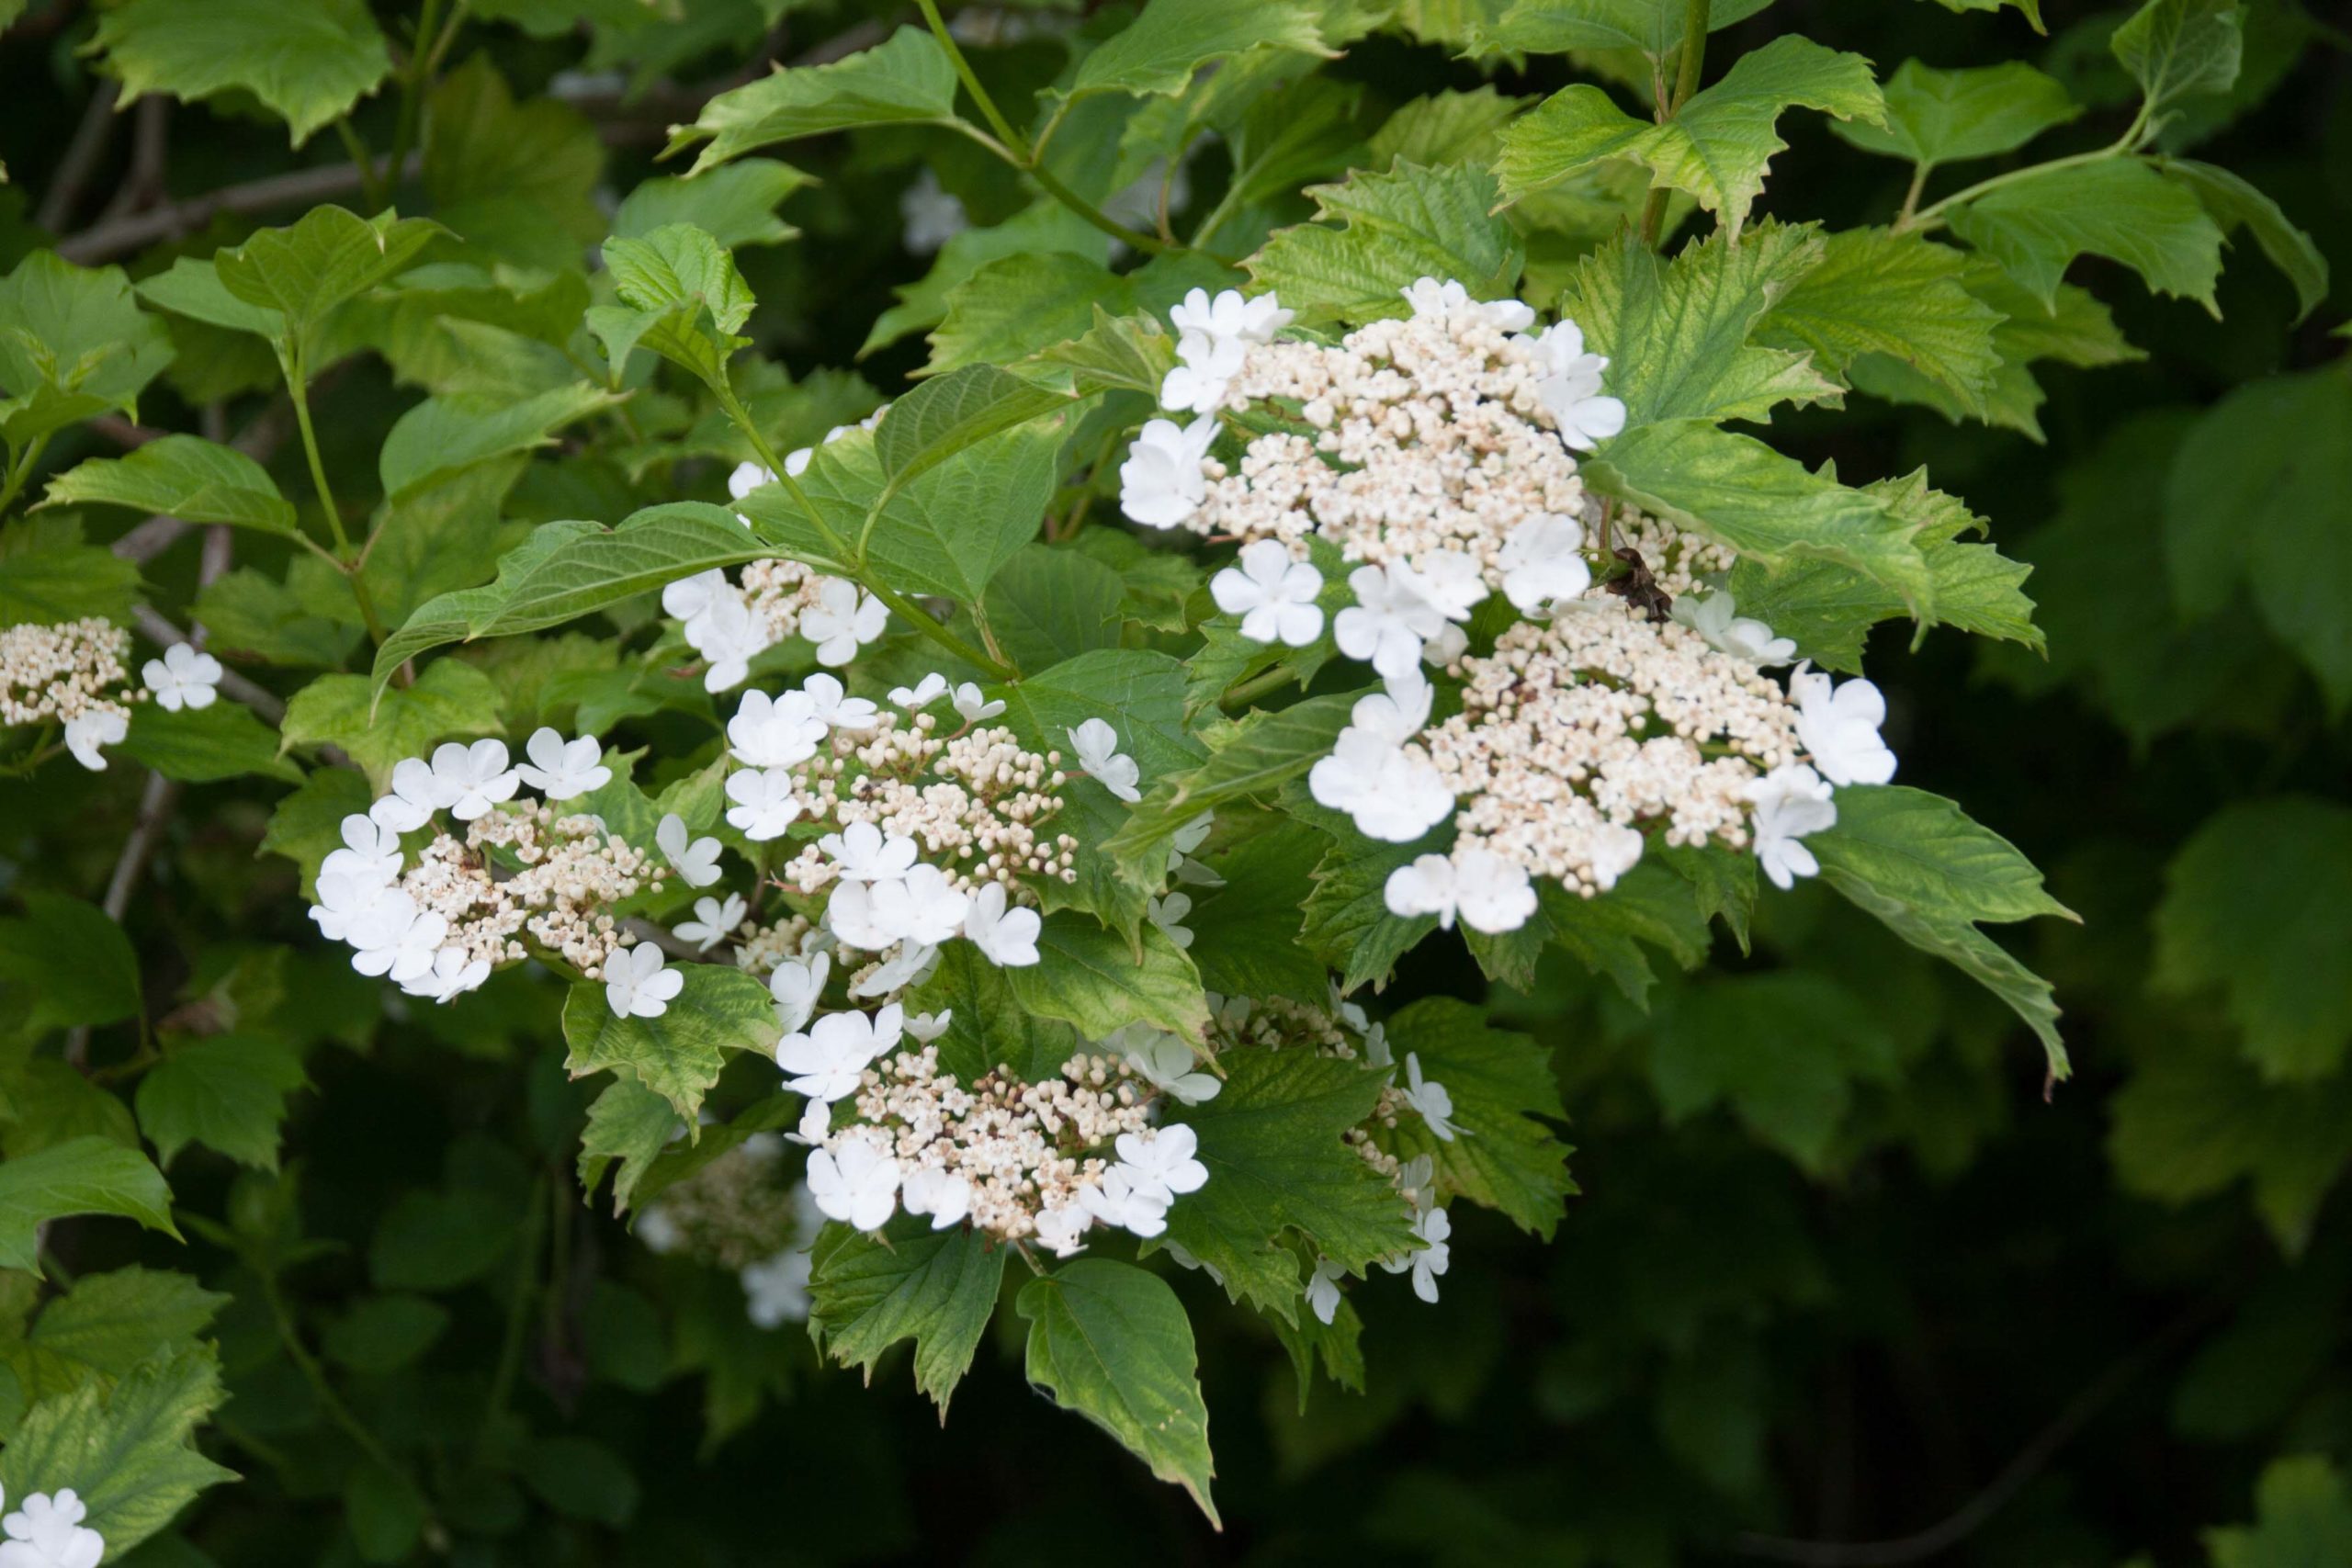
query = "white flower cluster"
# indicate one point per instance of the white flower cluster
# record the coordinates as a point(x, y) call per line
point(47, 1531)
point(74, 672)
point(436, 925)
point(742, 1212)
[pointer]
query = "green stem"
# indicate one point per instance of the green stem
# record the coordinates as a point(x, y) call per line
point(413, 84)
point(297, 382)
point(1911, 196)
point(1001, 126)
point(518, 1313)
point(1095, 215)
point(1686, 82)
point(1243, 693)
point(371, 185)
point(20, 471)
point(330, 1401)
point(1933, 213)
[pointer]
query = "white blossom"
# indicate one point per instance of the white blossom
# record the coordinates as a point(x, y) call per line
point(830, 706)
point(1273, 595)
point(843, 620)
point(1168, 1062)
point(344, 896)
point(1839, 727)
point(1006, 934)
point(453, 973)
point(774, 732)
point(922, 694)
point(1059, 1230)
point(413, 799)
point(47, 1531)
point(1489, 892)
point(1571, 391)
point(1230, 315)
point(183, 678)
point(561, 769)
point(922, 1028)
point(1450, 581)
point(1097, 745)
point(921, 906)
point(1433, 1227)
point(1791, 801)
point(775, 1291)
point(392, 937)
point(638, 986)
point(1162, 1160)
point(1429, 1098)
point(1617, 850)
point(1205, 366)
point(745, 479)
point(729, 636)
point(1392, 794)
point(689, 598)
point(765, 802)
point(1168, 914)
point(1122, 1202)
point(972, 705)
point(697, 861)
point(863, 852)
point(1389, 621)
point(714, 921)
point(469, 780)
point(90, 730)
point(945, 1195)
point(1543, 562)
point(1429, 297)
point(1711, 616)
point(856, 1184)
point(826, 1061)
point(796, 984)
point(906, 967)
point(1162, 482)
point(370, 853)
point(928, 216)
point(1323, 1290)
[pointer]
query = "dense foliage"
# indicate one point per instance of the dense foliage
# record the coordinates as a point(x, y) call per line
point(1051, 754)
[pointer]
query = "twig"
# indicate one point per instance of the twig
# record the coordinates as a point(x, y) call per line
point(123, 432)
point(113, 237)
point(82, 155)
point(143, 184)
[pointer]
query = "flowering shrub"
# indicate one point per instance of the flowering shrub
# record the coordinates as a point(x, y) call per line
point(888, 842)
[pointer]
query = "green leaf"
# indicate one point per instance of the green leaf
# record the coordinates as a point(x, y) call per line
point(1138, 693)
point(1677, 332)
point(1246, 933)
point(1784, 1050)
point(1736, 489)
point(381, 1334)
point(519, 180)
point(307, 63)
point(1504, 1157)
point(1717, 146)
point(1046, 228)
point(1900, 295)
point(987, 1028)
point(442, 435)
point(736, 204)
point(952, 414)
point(203, 745)
point(677, 1056)
point(72, 343)
point(1111, 1342)
point(2253, 909)
point(1374, 234)
point(1158, 52)
point(73, 960)
point(906, 80)
point(108, 1324)
point(1046, 604)
point(628, 1126)
point(1348, 925)
point(449, 699)
point(580, 1478)
point(2302, 1515)
point(48, 574)
point(185, 476)
point(2260, 501)
point(1649, 26)
point(936, 1288)
point(1119, 353)
point(227, 1092)
point(1259, 754)
point(87, 1175)
point(307, 827)
point(126, 1449)
point(1024, 305)
point(680, 265)
point(1611, 934)
point(2234, 204)
point(2179, 49)
point(1949, 116)
point(1932, 876)
point(2118, 207)
point(191, 286)
point(1098, 981)
point(328, 255)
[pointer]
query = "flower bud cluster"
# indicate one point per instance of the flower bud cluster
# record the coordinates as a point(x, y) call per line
point(744, 1211)
point(73, 673)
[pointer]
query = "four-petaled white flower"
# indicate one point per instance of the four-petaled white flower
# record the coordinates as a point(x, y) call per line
point(796, 984)
point(832, 707)
point(1169, 913)
point(413, 799)
point(469, 780)
point(745, 479)
point(1168, 1062)
point(1097, 745)
point(1205, 366)
point(826, 1061)
point(638, 986)
point(730, 637)
point(561, 770)
point(922, 1028)
point(945, 1195)
point(856, 1184)
point(907, 966)
point(1489, 892)
point(921, 906)
point(774, 732)
point(696, 860)
point(972, 705)
point(1450, 581)
point(1323, 1291)
point(89, 731)
point(1543, 562)
point(714, 921)
point(1230, 315)
point(863, 852)
point(1392, 794)
point(1273, 595)
point(922, 694)
point(1161, 483)
point(1429, 297)
point(1122, 1202)
point(47, 1531)
point(1570, 388)
point(1432, 1260)
point(843, 620)
point(1161, 1161)
point(929, 216)
point(454, 972)
point(1617, 850)
point(1429, 1098)
point(1839, 725)
point(1791, 801)
point(1711, 616)
point(764, 804)
point(183, 678)
point(776, 1291)
point(1392, 617)
point(392, 937)
point(1005, 933)
point(1058, 1229)
point(344, 896)
point(370, 853)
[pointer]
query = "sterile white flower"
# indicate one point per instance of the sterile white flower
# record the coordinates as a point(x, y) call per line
point(922, 1028)
point(1432, 1260)
point(830, 706)
point(183, 678)
point(1059, 1230)
point(1006, 934)
point(972, 705)
point(1839, 727)
point(1161, 1160)
point(776, 1291)
point(856, 1184)
point(1449, 579)
point(1392, 794)
point(774, 732)
point(945, 1195)
point(697, 861)
point(1616, 850)
point(1230, 315)
point(863, 852)
point(370, 853)
point(90, 730)
point(1389, 621)
point(1542, 561)
point(1205, 366)
point(392, 937)
point(1170, 1064)
point(1710, 614)
point(1570, 390)
point(906, 967)
point(1169, 913)
point(928, 216)
point(344, 896)
point(46, 1532)
point(688, 598)
point(1323, 1291)
point(561, 770)
point(745, 479)
point(454, 972)
point(922, 694)
point(1416, 1181)
point(1121, 1202)
point(469, 780)
point(1490, 894)
point(827, 1061)
point(816, 1120)
point(729, 636)
point(764, 804)
point(843, 620)
point(1160, 483)
point(1791, 801)
point(413, 799)
point(1429, 1098)
point(638, 986)
point(714, 921)
point(796, 984)
point(1097, 745)
point(1273, 595)
point(1427, 297)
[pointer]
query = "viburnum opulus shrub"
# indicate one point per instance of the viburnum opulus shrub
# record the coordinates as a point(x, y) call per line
point(955, 826)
